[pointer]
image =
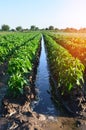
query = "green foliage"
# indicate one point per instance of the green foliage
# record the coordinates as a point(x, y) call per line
point(19, 49)
point(34, 28)
point(67, 70)
point(10, 43)
point(16, 84)
point(5, 27)
point(19, 28)
point(20, 64)
point(51, 27)
point(74, 43)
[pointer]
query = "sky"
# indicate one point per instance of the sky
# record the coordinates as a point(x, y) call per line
point(43, 13)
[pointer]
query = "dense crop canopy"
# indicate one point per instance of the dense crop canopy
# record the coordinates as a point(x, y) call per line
point(22, 63)
point(19, 50)
point(74, 43)
point(67, 70)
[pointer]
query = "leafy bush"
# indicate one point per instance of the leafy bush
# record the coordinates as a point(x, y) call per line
point(16, 84)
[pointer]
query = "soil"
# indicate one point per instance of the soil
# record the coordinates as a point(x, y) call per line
point(28, 120)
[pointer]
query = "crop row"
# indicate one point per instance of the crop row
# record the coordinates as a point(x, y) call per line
point(66, 70)
point(76, 45)
point(10, 42)
point(20, 64)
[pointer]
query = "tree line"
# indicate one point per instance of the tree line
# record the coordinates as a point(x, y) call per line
point(5, 27)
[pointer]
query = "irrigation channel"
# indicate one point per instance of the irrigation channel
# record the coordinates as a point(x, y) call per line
point(44, 103)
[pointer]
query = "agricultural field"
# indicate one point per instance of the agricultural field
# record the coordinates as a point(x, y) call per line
point(66, 54)
point(67, 69)
point(43, 65)
point(20, 54)
point(75, 43)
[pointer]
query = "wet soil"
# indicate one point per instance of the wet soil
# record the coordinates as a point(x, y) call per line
point(34, 121)
point(3, 80)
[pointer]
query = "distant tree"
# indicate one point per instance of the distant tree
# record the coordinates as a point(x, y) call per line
point(33, 28)
point(19, 28)
point(70, 30)
point(5, 27)
point(36, 28)
point(13, 30)
point(42, 29)
point(51, 27)
point(46, 28)
point(83, 30)
point(25, 30)
point(56, 29)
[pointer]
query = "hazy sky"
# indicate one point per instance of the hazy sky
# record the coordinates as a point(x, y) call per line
point(42, 13)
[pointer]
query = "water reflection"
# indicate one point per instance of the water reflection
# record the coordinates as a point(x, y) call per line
point(44, 104)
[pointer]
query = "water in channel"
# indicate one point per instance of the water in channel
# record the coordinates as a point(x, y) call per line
point(45, 105)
